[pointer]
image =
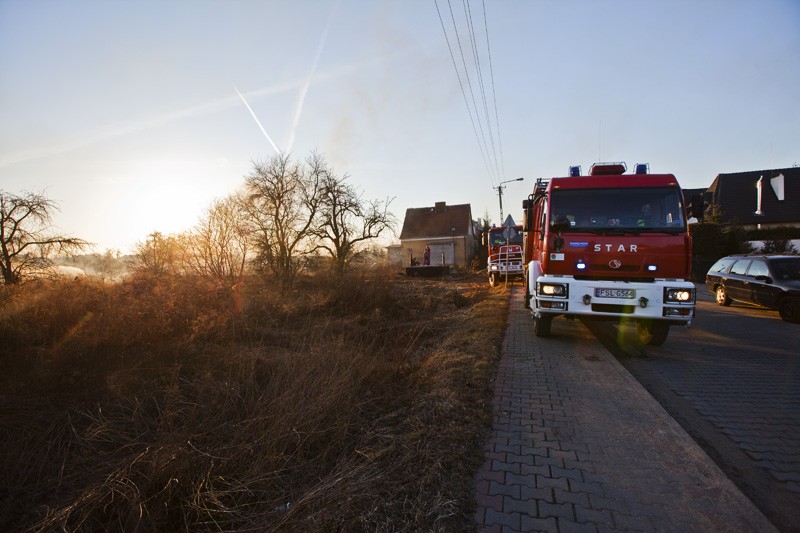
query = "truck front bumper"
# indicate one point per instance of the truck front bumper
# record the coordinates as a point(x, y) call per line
point(512, 269)
point(672, 300)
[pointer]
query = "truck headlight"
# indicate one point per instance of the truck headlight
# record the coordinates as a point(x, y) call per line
point(679, 295)
point(553, 289)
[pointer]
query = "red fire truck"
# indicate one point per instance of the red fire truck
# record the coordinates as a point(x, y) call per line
point(610, 246)
point(504, 254)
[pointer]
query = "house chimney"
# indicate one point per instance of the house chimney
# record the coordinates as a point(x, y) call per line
point(440, 207)
point(758, 212)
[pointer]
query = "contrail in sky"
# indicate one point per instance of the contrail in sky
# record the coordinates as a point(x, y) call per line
point(301, 99)
point(120, 129)
point(257, 121)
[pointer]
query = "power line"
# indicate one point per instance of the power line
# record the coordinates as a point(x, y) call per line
point(493, 162)
point(469, 81)
point(463, 92)
point(476, 56)
point(494, 94)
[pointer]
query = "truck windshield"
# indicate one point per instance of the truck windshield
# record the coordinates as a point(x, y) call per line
point(496, 236)
point(635, 209)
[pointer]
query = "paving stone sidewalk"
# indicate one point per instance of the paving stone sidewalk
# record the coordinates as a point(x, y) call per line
point(579, 445)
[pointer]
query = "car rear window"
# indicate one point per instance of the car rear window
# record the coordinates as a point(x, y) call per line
point(740, 266)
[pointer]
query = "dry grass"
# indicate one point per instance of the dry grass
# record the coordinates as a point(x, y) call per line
point(177, 404)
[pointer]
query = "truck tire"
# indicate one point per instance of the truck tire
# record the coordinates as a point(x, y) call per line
point(542, 326)
point(493, 280)
point(652, 332)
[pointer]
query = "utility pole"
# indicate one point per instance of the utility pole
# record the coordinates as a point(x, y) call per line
point(499, 189)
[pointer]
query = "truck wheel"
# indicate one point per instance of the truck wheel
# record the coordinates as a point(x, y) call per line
point(722, 296)
point(652, 332)
point(789, 310)
point(542, 326)
point(493, 280)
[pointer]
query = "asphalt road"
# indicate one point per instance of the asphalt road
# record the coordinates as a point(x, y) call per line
point(732, 380)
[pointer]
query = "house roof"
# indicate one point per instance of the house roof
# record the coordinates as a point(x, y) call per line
point(737, 196)
point(437, 221)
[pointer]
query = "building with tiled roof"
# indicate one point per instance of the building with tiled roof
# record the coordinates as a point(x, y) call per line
point(447, 229)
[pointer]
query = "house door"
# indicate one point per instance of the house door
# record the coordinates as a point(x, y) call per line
point(443, 254)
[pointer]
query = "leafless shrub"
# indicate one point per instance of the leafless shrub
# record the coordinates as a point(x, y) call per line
point(778, 246)
point(157, 255)
point(219, 245)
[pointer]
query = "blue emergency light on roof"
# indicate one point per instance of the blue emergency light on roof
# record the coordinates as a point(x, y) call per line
point(574, 171)
point(642, 168)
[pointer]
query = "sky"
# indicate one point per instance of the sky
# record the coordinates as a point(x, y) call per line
point(134, 116)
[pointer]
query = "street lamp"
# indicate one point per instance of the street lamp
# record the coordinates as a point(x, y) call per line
point(500, 195)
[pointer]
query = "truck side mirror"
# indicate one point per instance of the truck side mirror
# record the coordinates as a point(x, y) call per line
point(527, 215)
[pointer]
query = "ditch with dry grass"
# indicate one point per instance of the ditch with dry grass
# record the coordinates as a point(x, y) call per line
point(182, 404)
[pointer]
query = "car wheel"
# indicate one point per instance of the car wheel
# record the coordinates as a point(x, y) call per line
point(789, 310)
point(652, 332)
point(542, 326)
point(492, 280)
point(722, 296)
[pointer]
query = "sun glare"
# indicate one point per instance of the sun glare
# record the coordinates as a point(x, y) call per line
point(165, 196)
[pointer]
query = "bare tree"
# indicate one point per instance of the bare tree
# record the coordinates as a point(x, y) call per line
point(26, 238)
point(346, 221)
point(486, 222)
point(281, 202)
point(157, 255)
point(218, 246)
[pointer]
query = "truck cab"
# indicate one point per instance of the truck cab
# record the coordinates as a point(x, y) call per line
point(504, 258)
point(610, 246)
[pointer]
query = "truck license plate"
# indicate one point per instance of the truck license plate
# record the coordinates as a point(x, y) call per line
point(615, 293)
